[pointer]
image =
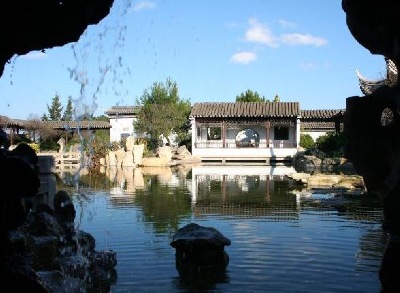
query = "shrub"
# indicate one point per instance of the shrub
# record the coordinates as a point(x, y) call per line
point(331, 143)
point(306, 141)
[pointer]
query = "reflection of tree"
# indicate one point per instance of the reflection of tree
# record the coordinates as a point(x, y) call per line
point(163, 206)
point(96, 180)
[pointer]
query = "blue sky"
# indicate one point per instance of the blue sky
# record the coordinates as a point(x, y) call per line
point(301, 51)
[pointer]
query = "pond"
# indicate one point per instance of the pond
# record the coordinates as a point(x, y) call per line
point(280, 242)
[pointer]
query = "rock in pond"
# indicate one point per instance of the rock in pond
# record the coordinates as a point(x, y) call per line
point(197, 246)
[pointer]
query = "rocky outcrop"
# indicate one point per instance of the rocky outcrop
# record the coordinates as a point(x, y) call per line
point(166, 156)
point(317, 161)
point(339, 183)
point(39, 243)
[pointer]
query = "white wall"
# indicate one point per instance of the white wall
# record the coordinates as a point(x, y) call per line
point(119, 126)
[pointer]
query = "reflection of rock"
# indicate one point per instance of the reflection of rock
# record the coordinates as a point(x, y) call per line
point(138, 180)
point(111, 159)
point(128, 174)
point(127, 160)
point(164, 173)
point(112, 173)
point(155, 162)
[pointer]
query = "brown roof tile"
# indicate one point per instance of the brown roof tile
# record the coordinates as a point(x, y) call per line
point(84, 124)
point(320, 125)
point(246, 109)
point(123, 110)
point(320, 114)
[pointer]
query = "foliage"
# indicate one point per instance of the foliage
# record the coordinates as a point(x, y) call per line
point(48, 145)
point(35, 147)
point(277, 98)
point(163, 112)
point(69, 111)
point(306, 141)
point(101, 118)
point(54, 110)
point(100, 146)
point(331, 143)
point(250, 96)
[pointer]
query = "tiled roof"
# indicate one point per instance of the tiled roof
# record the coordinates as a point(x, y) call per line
point(321, 114)
point(320, 125)
point(123, 110)
point(8, 122)
point(246, 109)
point(84, 124)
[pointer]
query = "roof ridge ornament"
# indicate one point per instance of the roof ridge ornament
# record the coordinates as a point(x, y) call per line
point(367, 86)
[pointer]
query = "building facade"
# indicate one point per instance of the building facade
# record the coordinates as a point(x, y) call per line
point(245, 131)
point(121, 121)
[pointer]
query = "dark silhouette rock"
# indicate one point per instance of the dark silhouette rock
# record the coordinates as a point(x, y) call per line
point(372, 124)
point(28, 26)
point(375, 25)
point(38, 25)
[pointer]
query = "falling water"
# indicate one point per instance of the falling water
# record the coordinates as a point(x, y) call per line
point(97, 75)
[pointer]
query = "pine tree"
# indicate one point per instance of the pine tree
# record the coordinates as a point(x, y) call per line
point(69, 110)
point(55, 110)
point(250, 96)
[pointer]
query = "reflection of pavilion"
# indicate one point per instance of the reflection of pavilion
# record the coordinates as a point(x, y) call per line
point(243, 191)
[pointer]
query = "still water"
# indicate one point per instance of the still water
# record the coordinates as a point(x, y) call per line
point(280, 242)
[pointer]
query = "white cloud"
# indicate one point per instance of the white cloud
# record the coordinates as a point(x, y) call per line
point(244, 57)
point(144, 5)
point(34, 55)
point(262, 34)
point(308, 65)
point(259, 33)
point(286, 24)
point(300, 39)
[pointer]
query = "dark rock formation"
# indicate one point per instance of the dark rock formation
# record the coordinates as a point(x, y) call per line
point(375, 25)
point(38, 25)
point(372, 123)
point(41, 251)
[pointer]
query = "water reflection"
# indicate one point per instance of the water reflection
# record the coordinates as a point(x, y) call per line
point(279, 243)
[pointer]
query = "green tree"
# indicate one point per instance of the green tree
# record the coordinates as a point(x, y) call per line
point(332, 143)
point(54, 110)
point(250, 96)
point(69, 111)
point(163, 112)
point(277, 98)
point(306, 141)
